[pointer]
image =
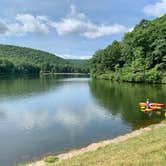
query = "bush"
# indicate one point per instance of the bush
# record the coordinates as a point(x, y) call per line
point(153, 76)
point(164, 80)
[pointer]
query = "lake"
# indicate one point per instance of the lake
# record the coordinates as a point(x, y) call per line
point(41, 116)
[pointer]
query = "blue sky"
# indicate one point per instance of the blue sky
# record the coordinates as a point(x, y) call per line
point(72, 28)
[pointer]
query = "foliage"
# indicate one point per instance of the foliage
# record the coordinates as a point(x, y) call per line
point(14, 59)
point(139, 57)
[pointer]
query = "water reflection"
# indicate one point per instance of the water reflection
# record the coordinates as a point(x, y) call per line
point(25, 86)
point(63, 108)
point(51, 115)
point(123, 98)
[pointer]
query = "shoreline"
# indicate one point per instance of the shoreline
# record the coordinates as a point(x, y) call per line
point(95, 146)
point(65, 74)
point(118, 77)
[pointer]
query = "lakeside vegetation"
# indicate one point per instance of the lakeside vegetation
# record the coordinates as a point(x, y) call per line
point(139, 57)
point(21, 60)
point(145, 147)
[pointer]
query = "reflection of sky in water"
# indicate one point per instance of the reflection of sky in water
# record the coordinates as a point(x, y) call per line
point(71, 110)
point(61, 118)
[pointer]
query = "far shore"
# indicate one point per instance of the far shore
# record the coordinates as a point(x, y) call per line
point(65, 74)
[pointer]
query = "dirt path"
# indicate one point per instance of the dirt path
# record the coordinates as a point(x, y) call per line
point(95, 146)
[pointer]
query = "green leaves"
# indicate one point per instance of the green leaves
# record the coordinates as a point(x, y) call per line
point(140, 57)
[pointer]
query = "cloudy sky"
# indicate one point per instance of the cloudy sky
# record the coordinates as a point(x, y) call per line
point(72, 28)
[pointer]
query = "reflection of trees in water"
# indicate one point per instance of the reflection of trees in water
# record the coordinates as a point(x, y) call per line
point(25, 85)
point(123, 99)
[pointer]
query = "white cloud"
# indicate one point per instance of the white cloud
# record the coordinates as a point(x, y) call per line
point(131, 29)
point(76, 22)
point(25, 23)
point(105, 31)
point(156, 10)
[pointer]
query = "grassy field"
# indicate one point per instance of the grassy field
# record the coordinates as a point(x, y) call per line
point(146, 149)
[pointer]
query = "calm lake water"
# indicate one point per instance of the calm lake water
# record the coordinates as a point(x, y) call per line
point(40, 116)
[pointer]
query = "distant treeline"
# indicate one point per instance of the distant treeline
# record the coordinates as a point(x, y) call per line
point(21, 60)
point(139, 57)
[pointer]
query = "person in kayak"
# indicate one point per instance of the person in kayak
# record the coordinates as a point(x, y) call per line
point(148, 105)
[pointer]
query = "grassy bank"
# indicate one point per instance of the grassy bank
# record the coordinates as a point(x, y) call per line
point(145, 147)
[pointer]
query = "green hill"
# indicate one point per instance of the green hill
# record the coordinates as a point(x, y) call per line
point(139, 57)
point(14, 59)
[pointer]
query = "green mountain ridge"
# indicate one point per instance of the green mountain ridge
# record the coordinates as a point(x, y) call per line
point(139, 57)
point(16, 59)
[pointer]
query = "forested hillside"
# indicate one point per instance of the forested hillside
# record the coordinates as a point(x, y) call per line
point(14, 59)
point(139, 57)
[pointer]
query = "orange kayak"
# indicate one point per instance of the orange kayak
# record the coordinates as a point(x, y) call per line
point(148, 110)
point(152, 105)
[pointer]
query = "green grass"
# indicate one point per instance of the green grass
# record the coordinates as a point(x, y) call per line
point(148, 149)
point(51, 159)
